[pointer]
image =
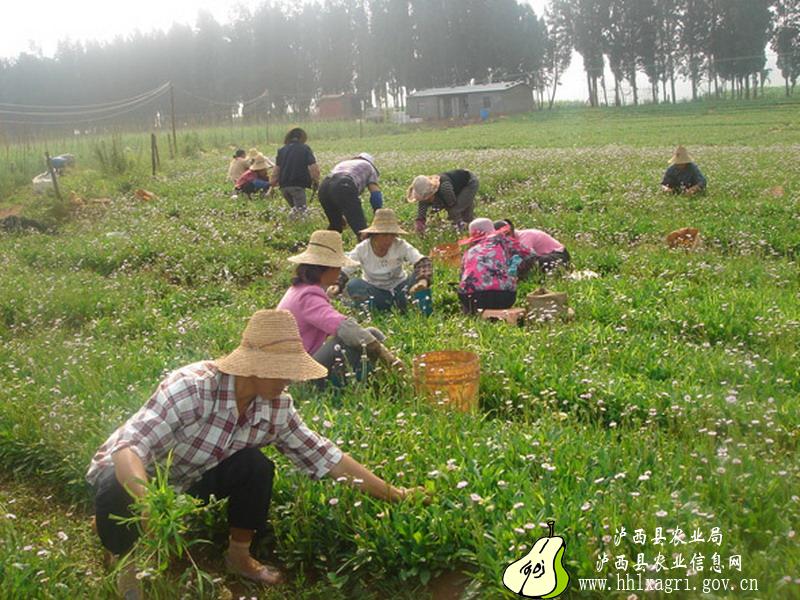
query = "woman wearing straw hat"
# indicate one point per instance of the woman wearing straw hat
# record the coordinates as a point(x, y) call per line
point(340, 192)
point(453, 191)
point(381, 258)
point(335, 341)
point(489, 268)
point(683, 176)
point(256, 178)
point(213, 417)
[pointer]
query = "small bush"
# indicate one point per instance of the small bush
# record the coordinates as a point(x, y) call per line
point(111, 156)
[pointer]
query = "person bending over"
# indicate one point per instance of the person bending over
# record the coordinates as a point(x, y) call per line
point(683, 176)
point(489, 268)
point(214, 417)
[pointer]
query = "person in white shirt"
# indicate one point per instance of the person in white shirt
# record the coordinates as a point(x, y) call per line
point(382, 257)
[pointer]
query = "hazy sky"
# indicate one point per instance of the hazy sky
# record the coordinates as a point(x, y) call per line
point(53, 20)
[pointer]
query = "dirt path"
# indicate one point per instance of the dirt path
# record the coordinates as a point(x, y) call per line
point(11, 211)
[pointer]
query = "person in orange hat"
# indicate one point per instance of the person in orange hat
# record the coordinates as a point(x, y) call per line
point(683, 176)
point(213, 417)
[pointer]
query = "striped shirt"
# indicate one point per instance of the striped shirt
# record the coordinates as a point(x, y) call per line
point(193, 413)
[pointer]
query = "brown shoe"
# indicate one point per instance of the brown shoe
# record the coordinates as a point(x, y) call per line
point(255, 571)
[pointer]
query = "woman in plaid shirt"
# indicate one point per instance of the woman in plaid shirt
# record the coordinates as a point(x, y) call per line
point(214, 416)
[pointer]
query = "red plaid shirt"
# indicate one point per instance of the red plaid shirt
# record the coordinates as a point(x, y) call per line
point(193, 413)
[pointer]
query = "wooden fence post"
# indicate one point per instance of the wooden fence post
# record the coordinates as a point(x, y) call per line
point(153, 152)
point(172, 106)
point(53, 176)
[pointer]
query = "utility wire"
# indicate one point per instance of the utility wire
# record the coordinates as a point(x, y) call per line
point(230, 104)
point(91, 119)
point(80, 107)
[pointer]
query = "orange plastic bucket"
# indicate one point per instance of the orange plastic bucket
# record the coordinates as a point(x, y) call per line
point(448, 378)
point(447, 254)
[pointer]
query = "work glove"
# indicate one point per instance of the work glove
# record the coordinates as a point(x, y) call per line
point(419, 226)
point(377, 351)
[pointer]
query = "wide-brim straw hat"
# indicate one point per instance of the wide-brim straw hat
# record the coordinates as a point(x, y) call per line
point(260, 163)
point(680, 156)
point(422, 187)
point(271, 348)
point(324, 249)
point(385, 221)
point(253, 153)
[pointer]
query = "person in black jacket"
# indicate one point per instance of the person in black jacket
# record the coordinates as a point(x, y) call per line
point(295, 170)
point(453, 191)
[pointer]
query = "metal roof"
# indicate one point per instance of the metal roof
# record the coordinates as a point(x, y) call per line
point(467, 89)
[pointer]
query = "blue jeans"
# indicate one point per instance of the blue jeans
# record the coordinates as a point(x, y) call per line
point(257, 185)
point(366, 295)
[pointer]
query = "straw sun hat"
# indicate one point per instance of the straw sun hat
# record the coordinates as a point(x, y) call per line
point(260, 162)
point(385, 221)
point(422, 187)
point(271, 348)
point(324, 249)
point(680, 156)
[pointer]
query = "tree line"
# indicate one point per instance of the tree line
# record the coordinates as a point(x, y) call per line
point(290, 54)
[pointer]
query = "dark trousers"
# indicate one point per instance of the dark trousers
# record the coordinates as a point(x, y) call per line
point(473, 302)
point(550, 262)
point(245, 479)
point(339, 197)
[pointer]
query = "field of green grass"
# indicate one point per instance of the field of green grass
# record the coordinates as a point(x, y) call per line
point(671, 400)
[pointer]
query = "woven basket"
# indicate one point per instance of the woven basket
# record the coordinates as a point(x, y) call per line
point(544, 305)
point(447, 254)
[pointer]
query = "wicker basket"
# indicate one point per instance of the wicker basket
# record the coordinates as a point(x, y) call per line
point(447, 254)
point(545, 305)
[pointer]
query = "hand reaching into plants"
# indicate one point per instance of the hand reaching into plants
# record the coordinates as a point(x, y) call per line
point(333, 291)
point(413, 492)
point(362, 478)
point(377, 351)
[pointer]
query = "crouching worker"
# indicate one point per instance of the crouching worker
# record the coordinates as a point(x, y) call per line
point(238, 166)
point(453, 191)
point(683, 176)
point(490, 268)
point(214, 416)
point(381, 258)
point(256, 178)
point(333, 339)
point(550, 253)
